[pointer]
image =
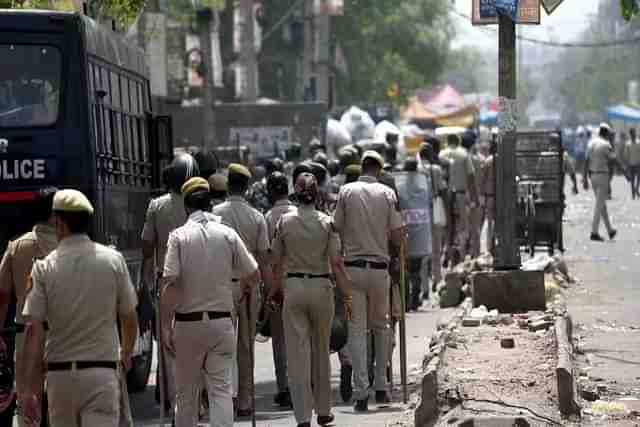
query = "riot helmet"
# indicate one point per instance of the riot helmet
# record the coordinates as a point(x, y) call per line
point(184, 167)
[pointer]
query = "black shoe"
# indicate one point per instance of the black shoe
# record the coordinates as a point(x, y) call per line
point(346, 389)
point(323, 420)
point(361, 405)
point(613, 234)
point(596, 238)
point(307, 424)
point(382, 397)
point(283, 400)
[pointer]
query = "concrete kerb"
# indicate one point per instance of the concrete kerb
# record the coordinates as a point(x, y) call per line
point(427, 410)
point(565, 371)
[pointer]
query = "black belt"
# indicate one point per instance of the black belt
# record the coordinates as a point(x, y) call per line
point(308, 276)
point(20, 327)
point(489, 196)
point(360, 263)
point(599, 172)
point(235, 280)
point(67, 366)
point(197, 316)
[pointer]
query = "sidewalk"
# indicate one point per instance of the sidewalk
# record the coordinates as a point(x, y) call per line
point(605, 303)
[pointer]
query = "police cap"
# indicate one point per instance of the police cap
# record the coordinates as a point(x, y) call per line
point(218, 182)
point(373, 155)
point(238, 169)
point(71, 201)
point(195, 184)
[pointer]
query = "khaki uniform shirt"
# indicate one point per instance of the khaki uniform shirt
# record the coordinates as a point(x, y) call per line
point(79, 289)
point(460, 167)
point(306, 237)
point(599, 154)
point(202, 254)
point(632, 153)
point(18, 259)
point(477, 160)
point(164, 214)
point(246, 221)
point(365, 214)
point(273, 216)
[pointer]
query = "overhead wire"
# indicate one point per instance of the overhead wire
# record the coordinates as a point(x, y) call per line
point(586, 45)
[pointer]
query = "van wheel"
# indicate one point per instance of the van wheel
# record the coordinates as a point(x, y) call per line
point(138, 376)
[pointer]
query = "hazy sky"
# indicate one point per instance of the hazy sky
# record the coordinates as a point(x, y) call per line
point(566, 24)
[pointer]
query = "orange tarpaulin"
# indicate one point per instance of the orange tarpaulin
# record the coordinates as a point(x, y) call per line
point(442, 105)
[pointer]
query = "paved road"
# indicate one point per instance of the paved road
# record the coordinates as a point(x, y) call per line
point(605, 304)
point(420, 326)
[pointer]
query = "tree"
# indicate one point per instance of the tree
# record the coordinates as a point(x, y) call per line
point(387, 42)
point(629, 8)
point(123, 11)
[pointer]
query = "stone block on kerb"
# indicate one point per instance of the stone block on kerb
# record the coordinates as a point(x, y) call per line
point(494, 422)
point(509, 291)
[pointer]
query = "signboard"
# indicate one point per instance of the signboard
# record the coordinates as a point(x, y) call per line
point(263, 142)
point(551, 5)
point(508, 7)
point(484, 12)
point(328, 7)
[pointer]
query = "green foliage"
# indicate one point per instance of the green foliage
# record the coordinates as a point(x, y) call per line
point(123, 11)
point(629, 9)
point(388, 42)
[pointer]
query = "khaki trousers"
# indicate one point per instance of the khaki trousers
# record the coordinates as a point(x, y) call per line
point(600, 184)
point(204, 351)
point(84, 398)
point(343, 355)
point(458, 224)
point(437, 232)
point(245, 323)
point(20, 374)
point(370, 314)
point(476, 220)
point(308, 314)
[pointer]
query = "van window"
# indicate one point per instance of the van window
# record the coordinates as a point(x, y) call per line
point(29, 85)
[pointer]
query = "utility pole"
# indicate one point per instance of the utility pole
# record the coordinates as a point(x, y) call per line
point(323, 38)
point(204, 17)
point(309, 85)
point(248, 51)
point(507, 249)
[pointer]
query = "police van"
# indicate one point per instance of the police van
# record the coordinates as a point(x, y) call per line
point(75, 112)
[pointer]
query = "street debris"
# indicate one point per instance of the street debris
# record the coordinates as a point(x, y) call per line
point(507, 343)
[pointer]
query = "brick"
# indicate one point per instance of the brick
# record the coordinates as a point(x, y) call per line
point(494, 422)
point(471, 322)
point(509, 291)
point(541, 325)
point(427, 410)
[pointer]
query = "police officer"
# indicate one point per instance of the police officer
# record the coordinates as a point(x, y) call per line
point(303, 249)
point(219, 188)
point(14, 275)
point(488, 195)
point(365, 217)
point(461, 183)
point(476, 213)
point(632, 157)
point(599, 159)
point(258, 195)
point(252, 228)
point(278, 187)
point(83, 290)
point(197, 295)
point(165, 214)
point(438, 188)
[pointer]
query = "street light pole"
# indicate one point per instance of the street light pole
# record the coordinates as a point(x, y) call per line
point(507, 249)
point(204, 16)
